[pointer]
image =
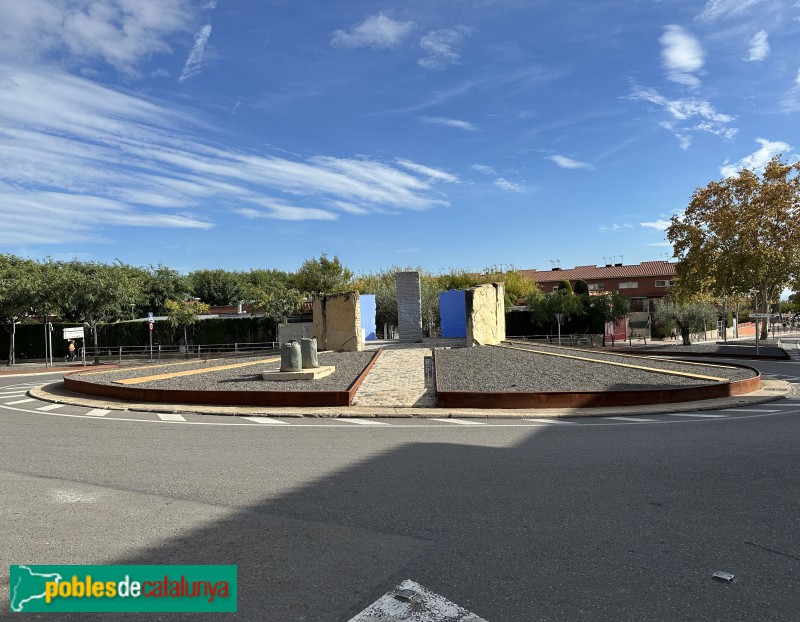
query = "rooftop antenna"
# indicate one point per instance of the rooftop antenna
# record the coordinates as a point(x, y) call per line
point(621, 260)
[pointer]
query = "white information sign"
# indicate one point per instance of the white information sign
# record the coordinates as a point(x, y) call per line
point(73, 333)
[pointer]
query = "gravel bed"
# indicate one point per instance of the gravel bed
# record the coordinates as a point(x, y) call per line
point(349, 366)
point(502, 370)
point(719, 369)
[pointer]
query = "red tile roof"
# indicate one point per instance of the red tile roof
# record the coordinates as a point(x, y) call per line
point(593, 273)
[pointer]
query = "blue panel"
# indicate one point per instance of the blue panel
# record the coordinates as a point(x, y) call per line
point(367, 304)
point(453, 312)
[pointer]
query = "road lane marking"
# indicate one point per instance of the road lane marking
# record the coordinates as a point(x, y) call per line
point(460, 421)
point(632, 419)
point(705, 416)
point(97, 412)
point(267, 420)
point(51, 407)
point(360, 421)
point(171, 417)
point(748, 410)
point(25, 401)
point(557, 421)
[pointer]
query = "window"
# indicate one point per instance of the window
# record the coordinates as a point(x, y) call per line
point(597, 287)
point(629, 285)
point(663, 283)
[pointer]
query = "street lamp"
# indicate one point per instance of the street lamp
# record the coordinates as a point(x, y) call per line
point(756, 315)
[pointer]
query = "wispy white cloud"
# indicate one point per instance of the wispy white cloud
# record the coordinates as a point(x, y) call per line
point(74, 151)
point(722, 9)
point(441, 47)
point(194, 63)
point(447, 122)
point(376, 31)
point(504, 184)
point(688, 116)
point(427, 171)
point(410, 249)
point(659, 225)
point(757, 160)
point(681, 56)
point(759, 47)
point(565, 162)
point(615, 227)
point(280, 210)
point(664, 244)
point(119, 32)
point(484, 170)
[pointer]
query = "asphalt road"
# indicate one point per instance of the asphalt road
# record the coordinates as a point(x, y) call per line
point(605, 521)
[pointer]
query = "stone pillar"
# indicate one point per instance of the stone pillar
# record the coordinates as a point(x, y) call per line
point(337, 322)
point(409, 307)
point(486, 316)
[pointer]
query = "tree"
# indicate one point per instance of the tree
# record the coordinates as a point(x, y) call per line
point(741, 233)
point(160, 284)
point(517, 286)
point(92, 292)
point(16, 279)
point(544, 308)
point(217, 287)
point(609, 307)
point(323, 275)
point(581, 288)
point(689, 317)
point(185, 314)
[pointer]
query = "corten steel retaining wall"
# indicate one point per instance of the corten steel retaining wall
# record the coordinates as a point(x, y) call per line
point(593, 399)
point(221, 398)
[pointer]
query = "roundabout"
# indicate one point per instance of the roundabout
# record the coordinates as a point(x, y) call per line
point(513, 379)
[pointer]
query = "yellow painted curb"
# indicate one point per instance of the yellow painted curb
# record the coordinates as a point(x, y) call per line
point(601, 362)
point(635, 356)
point(191, 372)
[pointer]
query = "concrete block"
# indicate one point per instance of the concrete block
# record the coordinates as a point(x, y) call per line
point(409, 306)
point(486, 318)
point(306, 374)
point(337, 321)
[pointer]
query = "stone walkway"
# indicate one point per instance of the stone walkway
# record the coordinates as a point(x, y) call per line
point(397, 379)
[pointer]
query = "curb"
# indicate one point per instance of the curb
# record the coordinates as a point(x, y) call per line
point(771, 391)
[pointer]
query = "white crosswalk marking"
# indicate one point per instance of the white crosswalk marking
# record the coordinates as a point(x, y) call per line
point(97, 412)
point(267, 420)
point(632, 419)
point(555, 421)
point(51, 407)
point(460, 421)
point(25, 401)
point(748, 410)
point(703, 415)
point(171, 417)
point(12, 394)
point(360, 421)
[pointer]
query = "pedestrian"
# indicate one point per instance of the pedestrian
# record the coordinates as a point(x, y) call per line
point(674, 334)
point(71, 349)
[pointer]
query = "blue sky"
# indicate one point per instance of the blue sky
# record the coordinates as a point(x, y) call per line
point(245, 134)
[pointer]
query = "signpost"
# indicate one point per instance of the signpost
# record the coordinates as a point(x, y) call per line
point(150, 332)
point(559, 317)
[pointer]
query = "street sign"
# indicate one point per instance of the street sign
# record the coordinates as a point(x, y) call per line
point(763, 315)
point(73, 333)
point(151, 327)
point(150, 315)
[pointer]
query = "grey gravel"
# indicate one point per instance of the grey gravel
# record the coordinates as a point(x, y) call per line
point(494, 369)
point(349, 366)
point(720, 349)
